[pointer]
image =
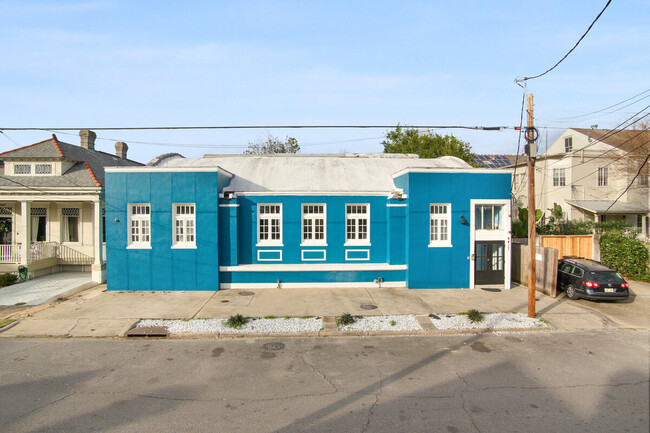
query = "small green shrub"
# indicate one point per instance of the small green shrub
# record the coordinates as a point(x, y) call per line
point(7, 279)
point(345, 319)
point(474, 315)
point(270, 317)
point(393, 323)
point(236, 321)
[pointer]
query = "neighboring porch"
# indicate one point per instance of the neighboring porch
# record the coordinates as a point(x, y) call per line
point(53, 236)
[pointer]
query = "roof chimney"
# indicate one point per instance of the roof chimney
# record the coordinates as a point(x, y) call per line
point(87, 139)
point(120, 149)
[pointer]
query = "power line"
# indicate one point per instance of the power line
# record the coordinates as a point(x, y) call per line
point(146, 128)
point(628, 187)
point(562, 119)
point(215, 146)
point(570, 51)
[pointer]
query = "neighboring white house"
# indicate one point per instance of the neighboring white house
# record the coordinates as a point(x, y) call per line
point(585, 171)
point(52, 206)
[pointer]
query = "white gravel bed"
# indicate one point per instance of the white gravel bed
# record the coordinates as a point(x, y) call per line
point(383, 323)
point(206, 326)
point(490, 321)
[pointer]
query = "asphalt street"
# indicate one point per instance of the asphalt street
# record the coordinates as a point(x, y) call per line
point(512, 382)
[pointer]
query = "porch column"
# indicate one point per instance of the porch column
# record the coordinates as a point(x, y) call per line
point(24, 237)
point(98, 267)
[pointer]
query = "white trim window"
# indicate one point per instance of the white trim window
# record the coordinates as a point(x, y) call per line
point(184, 225)
point(38, 221)
point(357, 224)
point(568, 144)
point(488, 217)
point(314, 222)
point(22, 169)
point(139, 225)
point(43, 168)
point(559, 177)
point(269, 224)
point(602, 176)
point(70, 217)
point(439, 224)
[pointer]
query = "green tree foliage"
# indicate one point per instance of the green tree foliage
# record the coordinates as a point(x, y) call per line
point(427, 145)
point(620, 250)
point(520, 227)
point(273, 145)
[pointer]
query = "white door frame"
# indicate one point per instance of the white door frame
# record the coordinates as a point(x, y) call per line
point(503, 234)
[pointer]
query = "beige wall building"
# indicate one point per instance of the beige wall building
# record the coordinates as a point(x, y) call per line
point(52, 206)
point(585, 171)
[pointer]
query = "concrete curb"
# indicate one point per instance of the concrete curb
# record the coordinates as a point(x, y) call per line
point(9, 326)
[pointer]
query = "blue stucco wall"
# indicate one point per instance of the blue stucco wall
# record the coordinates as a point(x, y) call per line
point(161, 267)
point(444, 267)
point(291, 228)
point(227, 235)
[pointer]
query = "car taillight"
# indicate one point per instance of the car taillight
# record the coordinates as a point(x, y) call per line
point(624, 286)
point(590, 284)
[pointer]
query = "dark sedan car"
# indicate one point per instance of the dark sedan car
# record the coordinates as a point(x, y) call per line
point(589, 279)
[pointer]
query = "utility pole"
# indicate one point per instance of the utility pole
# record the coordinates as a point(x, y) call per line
point(531, 150)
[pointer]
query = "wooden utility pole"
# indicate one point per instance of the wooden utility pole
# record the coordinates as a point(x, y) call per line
point(531, 136)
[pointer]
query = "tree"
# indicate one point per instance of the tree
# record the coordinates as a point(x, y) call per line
point(273, 145)
point(427, 144)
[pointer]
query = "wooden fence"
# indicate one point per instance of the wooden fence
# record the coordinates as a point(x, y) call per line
point(575, 245)
point(545, 268)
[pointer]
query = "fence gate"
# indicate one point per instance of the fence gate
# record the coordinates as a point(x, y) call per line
point(576, 245)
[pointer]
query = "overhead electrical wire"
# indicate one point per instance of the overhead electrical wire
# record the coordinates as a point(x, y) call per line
point(148, 128)
point(570, 51)
point(628, 187)
point(569, 119)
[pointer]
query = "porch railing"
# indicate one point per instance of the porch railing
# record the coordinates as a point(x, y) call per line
point(9, 253)
point(69, 255)
point(43, 251)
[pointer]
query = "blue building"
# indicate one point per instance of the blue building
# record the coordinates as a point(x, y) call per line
point(267, 221)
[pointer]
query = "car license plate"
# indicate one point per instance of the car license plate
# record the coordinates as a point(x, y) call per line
point(609, 290)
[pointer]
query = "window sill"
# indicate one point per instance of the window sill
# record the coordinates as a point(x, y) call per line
point(138, 247)
point(310, 244)
point(440, 245)
point(183, 247)
point(268, 245)
point(347, 244)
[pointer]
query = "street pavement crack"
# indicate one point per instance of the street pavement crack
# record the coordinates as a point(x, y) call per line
point(38, 408)
point(375, 403)
point(323, 375)
point(462, 399)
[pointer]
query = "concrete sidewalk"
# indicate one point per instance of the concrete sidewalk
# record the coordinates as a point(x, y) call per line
point(96, 312)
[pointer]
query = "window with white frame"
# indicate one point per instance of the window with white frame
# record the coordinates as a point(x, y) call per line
point(357, 224)
point(140, 225)
point(43, 168)
point(314, 221)
point(70, 224)
point(22, 168)
point(184, 225)
point(269, 224)
point(488, 217)
point(559, 176)
point(602, 176)
point(38, 221)
point(439, 224)
point(568, 144)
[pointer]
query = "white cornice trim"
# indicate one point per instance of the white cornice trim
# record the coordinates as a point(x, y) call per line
point(449, 170)
point(135, 169)
point(309, 267)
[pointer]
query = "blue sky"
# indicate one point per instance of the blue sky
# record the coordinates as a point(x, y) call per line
point(171, 63)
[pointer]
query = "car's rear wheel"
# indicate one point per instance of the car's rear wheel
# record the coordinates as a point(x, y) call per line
point(571, 292)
